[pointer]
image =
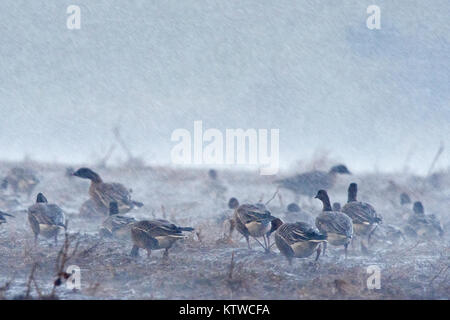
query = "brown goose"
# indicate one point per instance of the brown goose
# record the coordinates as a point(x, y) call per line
point(421, 225)
point(297, 240)
point(309, 182)
point(226, 219)
point(21, 180)
point(364, 217)
point(253, 220)
point(115, 225)
point(337, 226)
point(46, 219)
point(103, 193)
point(154, 235)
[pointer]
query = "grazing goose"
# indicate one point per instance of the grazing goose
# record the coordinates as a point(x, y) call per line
point(363, 215)
point(297, 240)
point(226, 219)
point(21, 180)
point(154, 235)
point(103, 193)
point(115, 225)
point(422, 225)
point(253, 220)
point(309, 182)
point(337, 226)
point(3, 215)
point(46, 219)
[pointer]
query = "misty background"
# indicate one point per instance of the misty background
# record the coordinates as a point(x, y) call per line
point(374, 99)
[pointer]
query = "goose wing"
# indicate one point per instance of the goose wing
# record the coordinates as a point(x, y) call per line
point(112, 192)
point(360, 212)
point(157, 228)
point(247, 213)
point(335, 222)
point(40, 214)
point(298, 232)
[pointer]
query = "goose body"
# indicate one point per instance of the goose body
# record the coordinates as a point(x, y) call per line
point(422, 225)
point(155, 235)
point(21, 180)
point(102, 193)
point(298, 240)
point(363, 215)
point(46, 219)
point(309, 182)
point(115, 225)
point(253, 220)
point(337, 226)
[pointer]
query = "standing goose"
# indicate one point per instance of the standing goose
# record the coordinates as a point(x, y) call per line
point(46, 219)
point(297, 240)
point(337, 226)
point(420, 224)
point(21, 180)
point(3, 215)
point(253, 220)
point(363, 215)
point(116, 225)
point(309, 182)
point(226, 219)
point(103, 193)
point(154, 235)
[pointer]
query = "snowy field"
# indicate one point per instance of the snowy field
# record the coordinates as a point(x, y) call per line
point(202, 267)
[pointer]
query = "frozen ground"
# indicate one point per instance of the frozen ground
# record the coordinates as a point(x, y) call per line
point(201, 267)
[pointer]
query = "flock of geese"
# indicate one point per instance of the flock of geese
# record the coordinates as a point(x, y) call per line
point(335, 225)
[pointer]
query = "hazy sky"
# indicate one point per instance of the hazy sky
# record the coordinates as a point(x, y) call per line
point(309, 68)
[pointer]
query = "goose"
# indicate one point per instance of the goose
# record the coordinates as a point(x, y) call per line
point(46, 219)
point(309, 182)
point(364, 217)
point(337, 226)
point(115, 225)
point(253, 220)
point(155, 235)
point(226, 219)
point(297, 240)
point(103, 193)
point(21, 180)
point(419, 224)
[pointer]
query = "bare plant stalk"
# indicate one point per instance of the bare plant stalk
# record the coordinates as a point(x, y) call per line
point(274, 195)
point(436, 158)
